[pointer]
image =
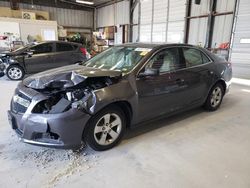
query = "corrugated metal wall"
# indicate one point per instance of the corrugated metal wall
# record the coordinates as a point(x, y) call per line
point(146, 21)
point(135, 37)
point(197, 31)
point(162, 20)
point(176, 24)
point(198, 26)
point(115, 14)
point(240, 55)
point(64, 17)
point(222, 23)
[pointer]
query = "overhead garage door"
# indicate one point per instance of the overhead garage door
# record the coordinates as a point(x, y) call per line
point(162, 20)
point(240, 55)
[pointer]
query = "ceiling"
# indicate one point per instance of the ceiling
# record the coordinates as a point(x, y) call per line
point(66, 3)
point(100, 2)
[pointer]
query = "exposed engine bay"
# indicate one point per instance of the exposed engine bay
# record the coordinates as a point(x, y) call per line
point(80, 96)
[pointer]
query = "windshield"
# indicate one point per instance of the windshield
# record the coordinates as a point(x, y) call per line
point(118, 58)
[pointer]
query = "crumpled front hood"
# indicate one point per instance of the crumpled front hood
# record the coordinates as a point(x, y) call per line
point(65, 77)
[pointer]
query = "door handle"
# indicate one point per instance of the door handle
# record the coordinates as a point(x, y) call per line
point(180, 81)
point(210, 72)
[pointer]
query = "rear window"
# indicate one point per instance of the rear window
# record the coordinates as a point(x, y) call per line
point(75, 47)
point(61, 47)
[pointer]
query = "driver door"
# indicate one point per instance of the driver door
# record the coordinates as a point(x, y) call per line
point(41, 59)
point(158, 95)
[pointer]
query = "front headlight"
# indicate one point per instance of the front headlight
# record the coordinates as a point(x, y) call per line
point(2, 66)
point(11, 60)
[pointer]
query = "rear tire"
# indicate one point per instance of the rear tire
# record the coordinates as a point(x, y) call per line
point(15, 72)
point(106, 129)
point(214, 98)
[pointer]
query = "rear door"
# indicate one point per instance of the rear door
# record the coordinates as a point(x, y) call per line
point(41, 59)
point(64, 54)
point(197, 76)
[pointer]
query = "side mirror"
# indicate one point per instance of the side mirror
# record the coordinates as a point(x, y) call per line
point(149, 72)
point(29, 53)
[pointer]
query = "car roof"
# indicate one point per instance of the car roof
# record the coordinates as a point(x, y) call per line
point(58, 41)
point(154, 45)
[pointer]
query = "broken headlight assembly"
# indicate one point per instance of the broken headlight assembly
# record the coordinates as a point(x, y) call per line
point(83, 100)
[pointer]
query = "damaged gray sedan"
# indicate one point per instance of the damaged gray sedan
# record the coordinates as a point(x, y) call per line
point(115, 90)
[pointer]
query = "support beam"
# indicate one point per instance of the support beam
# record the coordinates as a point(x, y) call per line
point(132, 6)
point(210, 24)
point(187, 22)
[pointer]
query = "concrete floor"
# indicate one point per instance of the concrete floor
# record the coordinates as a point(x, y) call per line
point(194, 149)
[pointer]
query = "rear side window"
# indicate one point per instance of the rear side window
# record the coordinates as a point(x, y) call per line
point(205, 58)
point(61, 47)
point(42, 48)
point(75, 47)
point(194, 57)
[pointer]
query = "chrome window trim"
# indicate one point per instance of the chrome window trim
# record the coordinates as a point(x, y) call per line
point(146, 62)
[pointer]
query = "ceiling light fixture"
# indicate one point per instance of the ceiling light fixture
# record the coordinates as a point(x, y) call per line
point(85, 2)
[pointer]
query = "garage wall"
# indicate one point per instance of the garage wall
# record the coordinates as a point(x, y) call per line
point(30, 27)
point(241, 40)
point(135, 32)
point(64, 17)
point(222, 23)
point(115, 14)
point(176, 21)
point(162, 20)
point(198, 26)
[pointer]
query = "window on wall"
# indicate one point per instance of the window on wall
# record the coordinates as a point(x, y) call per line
point(145, 20)
point(145, 33)
point(49, 34)
point(159, 32)
point(162, 20)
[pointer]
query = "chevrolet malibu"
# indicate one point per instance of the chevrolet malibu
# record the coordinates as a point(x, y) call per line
point(118, 89)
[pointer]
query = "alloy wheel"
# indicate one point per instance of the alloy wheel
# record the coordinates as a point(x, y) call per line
point(216, 97)
point(15, 73)
point(107, 129)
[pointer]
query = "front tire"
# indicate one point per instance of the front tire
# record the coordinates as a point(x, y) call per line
point(105, 129)
point(15, 72)
point(214, 98)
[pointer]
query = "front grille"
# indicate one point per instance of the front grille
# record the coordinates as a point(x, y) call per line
point(17, 108)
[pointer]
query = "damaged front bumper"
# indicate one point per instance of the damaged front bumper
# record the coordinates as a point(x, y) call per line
point(61, 130)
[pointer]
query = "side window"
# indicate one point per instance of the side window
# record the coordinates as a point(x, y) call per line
point(61, 47)
point(205, 58)
point(75, 47)
point(194, 57)
point(42, 48)
point(165, 60)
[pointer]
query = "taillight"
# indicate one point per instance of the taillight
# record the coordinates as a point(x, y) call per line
point(83, 50)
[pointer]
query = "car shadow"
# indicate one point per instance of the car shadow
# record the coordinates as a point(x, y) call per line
point(161, 122)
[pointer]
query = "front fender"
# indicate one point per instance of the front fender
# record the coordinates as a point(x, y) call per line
point(121, 91)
